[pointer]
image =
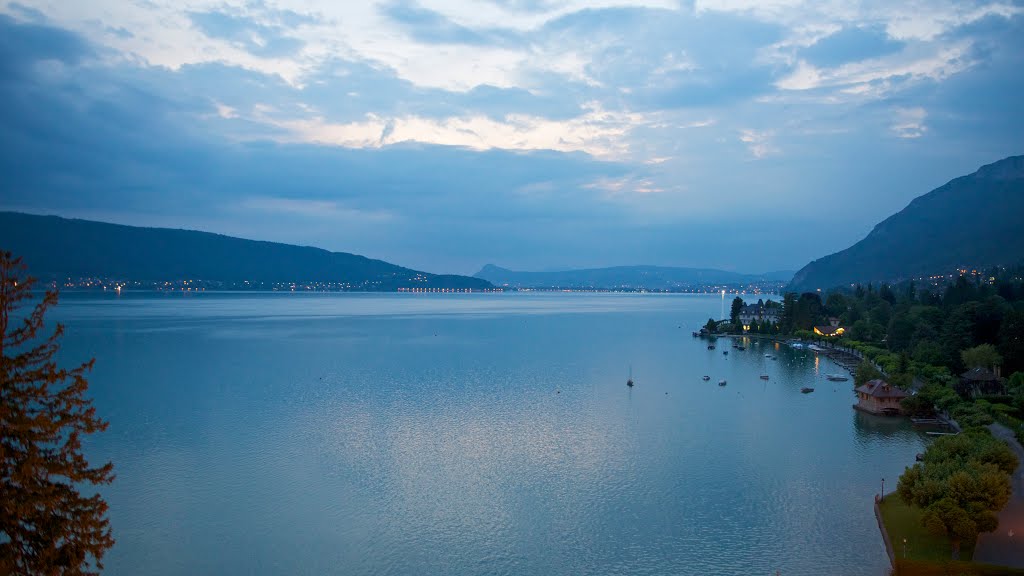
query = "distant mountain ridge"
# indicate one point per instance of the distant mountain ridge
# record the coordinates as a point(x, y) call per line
point(56, 248)
point(624, 277)
point(972, 221)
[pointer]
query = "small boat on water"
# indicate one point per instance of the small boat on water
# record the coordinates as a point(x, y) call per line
point(725, 352)
point(711, 346)
point(836, 378)
point(806, 390)
point(706, 378)
point(721, 382)
point(764, 376)
point(767, 355)
point(741, 347)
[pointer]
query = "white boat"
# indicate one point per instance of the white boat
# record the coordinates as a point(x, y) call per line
point(721, 382)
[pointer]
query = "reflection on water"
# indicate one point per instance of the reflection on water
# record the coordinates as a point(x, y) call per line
point(453, 434)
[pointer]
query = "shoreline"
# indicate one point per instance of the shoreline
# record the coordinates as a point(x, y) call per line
point(847, 359)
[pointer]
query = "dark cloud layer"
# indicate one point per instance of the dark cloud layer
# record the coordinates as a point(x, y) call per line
point(791, 175)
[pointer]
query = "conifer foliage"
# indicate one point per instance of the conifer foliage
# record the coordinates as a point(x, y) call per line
point(46, 525)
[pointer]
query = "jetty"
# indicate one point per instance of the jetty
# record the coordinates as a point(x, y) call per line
point(847, 359)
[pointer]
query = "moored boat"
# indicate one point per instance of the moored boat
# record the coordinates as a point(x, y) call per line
point(806, 390)
point(706, 378)
point(836, 378)
point(764, 376)
point(721, 382)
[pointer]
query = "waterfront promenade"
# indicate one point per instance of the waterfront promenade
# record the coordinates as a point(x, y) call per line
point(1005, 546)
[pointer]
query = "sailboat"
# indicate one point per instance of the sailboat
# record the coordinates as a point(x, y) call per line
point(630, 381)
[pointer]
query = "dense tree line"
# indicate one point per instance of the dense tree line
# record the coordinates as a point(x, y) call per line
point(924, 338)
point(934, 326)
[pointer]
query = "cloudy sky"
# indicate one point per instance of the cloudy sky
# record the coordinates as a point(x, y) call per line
point(749, 135)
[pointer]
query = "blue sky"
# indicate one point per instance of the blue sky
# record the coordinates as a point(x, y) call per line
point(446, 134)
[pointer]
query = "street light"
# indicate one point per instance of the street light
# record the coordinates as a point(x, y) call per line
point(904, 548)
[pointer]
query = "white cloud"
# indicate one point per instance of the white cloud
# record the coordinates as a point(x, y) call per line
point(759, 142)
point(909, 122)
point(162, 34)
point(624, 186)
point(597, 132)
point(871, 77)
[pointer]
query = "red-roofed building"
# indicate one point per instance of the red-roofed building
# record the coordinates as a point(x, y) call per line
point(879, 397)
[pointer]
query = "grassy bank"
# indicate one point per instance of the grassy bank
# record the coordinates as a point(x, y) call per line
point(904, 521)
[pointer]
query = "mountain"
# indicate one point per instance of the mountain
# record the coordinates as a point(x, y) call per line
point(57, 248)
point(624, 277)
point(973, 221)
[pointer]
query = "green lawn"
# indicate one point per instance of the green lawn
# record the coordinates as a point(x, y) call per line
point(903, 521)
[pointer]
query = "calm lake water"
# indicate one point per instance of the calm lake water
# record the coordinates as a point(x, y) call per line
point(471, 434)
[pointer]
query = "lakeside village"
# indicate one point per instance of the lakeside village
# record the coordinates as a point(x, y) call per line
point(950, 356)
point(99, 284)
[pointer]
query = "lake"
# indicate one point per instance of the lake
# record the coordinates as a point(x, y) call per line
point(472, 434)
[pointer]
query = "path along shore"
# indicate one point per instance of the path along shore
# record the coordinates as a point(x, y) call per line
point(1005, 546)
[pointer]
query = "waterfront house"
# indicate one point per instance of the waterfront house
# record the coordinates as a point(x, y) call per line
point(829, 331)
point(981, 381)
point(879, 397)
point(759, 313)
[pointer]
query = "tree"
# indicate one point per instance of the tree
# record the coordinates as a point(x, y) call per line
point(835, 304)
point(885, 293)
point(46, 525)
point(981, 356)
point(808, 311)
point(1011, 341)
point(711, 326)
point(911, 292)
point(901, 331)
point(928, 352)
point(734, 312)
point(962, 481)
point(958, 332)
point(865, 372)
point(917, 406)
point(788, 320)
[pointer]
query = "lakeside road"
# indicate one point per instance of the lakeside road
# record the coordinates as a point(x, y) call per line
point(1005, 546)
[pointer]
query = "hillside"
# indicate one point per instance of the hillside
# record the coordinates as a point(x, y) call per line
point(973, 221)
point(623, 277)
point(58, 248)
